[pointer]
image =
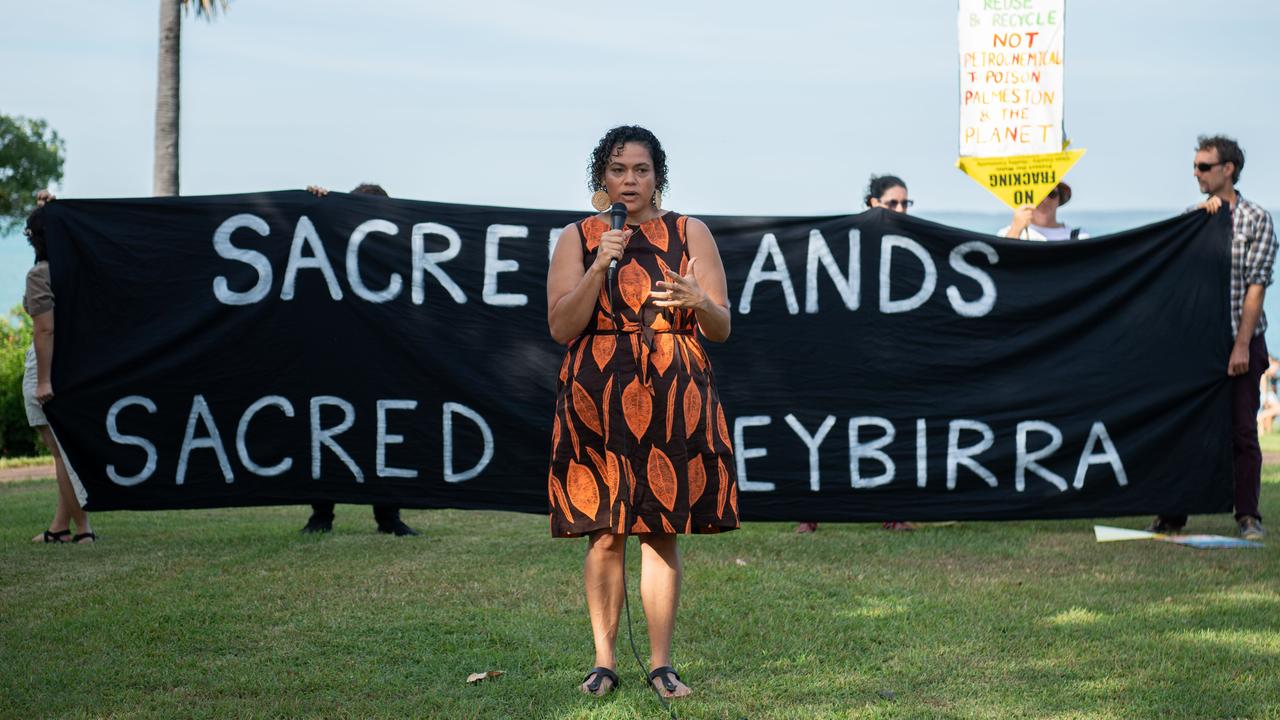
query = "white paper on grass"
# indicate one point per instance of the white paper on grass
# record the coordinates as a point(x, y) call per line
point(1105, 533)
point(1210, 542)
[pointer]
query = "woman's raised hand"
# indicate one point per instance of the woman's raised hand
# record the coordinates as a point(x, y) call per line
point(680, 292)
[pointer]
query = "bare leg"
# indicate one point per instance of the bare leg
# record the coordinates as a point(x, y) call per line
point(660, 574)
point(602, 573)
point(1266, 419)
point(68, 505)
point(61, 517)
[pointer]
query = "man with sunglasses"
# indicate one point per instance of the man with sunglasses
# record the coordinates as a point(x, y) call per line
point(1040, 222)
point(1217, 167)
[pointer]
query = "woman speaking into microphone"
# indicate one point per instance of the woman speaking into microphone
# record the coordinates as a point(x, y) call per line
point(639, 443)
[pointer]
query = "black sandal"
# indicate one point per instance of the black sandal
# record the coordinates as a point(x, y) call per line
point(665, 673)
point(77, 538)
point(56, 537)
point(601, 673)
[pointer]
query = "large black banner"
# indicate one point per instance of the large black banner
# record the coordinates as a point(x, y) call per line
point(279, 347)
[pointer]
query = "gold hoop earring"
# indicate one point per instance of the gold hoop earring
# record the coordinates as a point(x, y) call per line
point(600, 200)
point(657, 200)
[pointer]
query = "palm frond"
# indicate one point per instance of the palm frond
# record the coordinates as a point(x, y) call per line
point(207, 9)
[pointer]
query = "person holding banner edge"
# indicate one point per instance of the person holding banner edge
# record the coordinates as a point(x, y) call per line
point(37, 383)
point(387, 517)
point(1216, 167)
point(640, 444)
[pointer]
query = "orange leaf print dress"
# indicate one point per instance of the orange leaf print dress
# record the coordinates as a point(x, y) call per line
point(644, 445)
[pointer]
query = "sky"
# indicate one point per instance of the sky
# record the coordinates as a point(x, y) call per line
point(763, 108)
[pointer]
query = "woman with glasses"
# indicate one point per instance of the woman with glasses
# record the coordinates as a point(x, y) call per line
point(888, 192)
point(1040, 222)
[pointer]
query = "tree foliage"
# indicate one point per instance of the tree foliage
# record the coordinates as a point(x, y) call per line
point(17, 439)
point(31, 157)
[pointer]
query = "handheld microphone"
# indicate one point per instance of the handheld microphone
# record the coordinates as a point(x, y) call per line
point(617, 217)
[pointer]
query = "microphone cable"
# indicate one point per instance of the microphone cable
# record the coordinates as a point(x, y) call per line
point(625, 496)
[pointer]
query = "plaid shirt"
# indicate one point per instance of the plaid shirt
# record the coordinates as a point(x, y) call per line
point(1253, 251)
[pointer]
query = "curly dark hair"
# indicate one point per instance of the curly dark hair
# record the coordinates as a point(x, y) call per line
point(1229, 151)
point(881, 184)
point(35, 234)
point(369, 189)
point(611, 144)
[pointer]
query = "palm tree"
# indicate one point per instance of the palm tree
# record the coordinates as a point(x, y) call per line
point(165, 171)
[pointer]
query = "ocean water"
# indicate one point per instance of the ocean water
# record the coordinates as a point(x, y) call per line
point(15, 254)
point(15, 258)
point(1096, 223)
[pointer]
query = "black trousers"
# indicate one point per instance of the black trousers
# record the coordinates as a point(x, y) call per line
point(1247, 456)
point(382, 514)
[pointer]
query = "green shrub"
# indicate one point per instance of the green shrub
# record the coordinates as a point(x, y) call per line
point(17, 439)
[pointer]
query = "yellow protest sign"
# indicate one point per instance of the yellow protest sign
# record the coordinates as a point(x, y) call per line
point(1020, 179)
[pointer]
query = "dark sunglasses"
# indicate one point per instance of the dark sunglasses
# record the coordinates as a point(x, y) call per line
point(1206, 167)
point(895, 204)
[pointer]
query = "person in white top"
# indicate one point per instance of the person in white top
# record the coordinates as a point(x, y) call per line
point(1040, 222)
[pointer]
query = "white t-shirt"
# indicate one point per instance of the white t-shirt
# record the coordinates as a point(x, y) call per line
point(1042, 233)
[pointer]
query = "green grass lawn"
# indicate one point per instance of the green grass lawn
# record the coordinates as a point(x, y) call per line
point(232, 613)
point(1270, 443)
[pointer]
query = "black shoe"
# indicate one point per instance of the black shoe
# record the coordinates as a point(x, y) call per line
point(317, 526)
point(1163, 526)
point(397, 528)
